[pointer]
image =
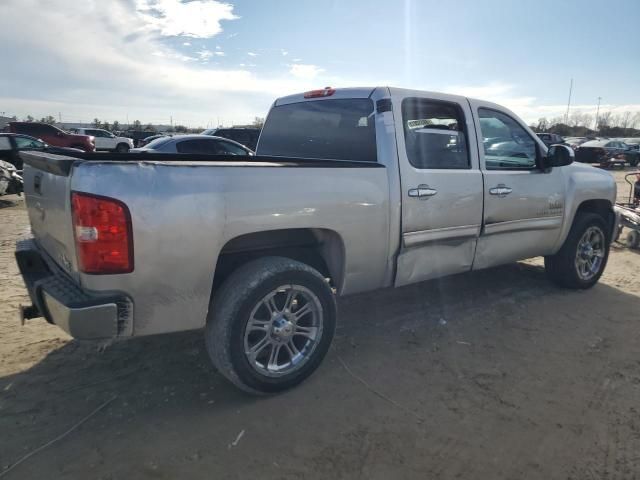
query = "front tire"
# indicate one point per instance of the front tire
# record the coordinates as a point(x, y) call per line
point(633, 239)
point(270, 324)
point(122, 148)
point(581, 261)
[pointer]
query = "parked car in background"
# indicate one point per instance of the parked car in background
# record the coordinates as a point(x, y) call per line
point(138, 135)
point(575, 142)
point(11, 144)
point(200, 144)
point(106, 140)
point(633, 143)
point(354, 190)
point(551, 139)
point(52, 135)
point(147, 140)
point(606, 152)
point(244, 136)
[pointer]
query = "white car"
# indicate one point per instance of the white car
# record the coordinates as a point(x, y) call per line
point(106, 140)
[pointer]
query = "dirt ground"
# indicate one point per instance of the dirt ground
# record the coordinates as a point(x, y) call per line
point(490, 375)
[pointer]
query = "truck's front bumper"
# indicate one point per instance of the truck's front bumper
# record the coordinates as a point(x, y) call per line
point(82, 314)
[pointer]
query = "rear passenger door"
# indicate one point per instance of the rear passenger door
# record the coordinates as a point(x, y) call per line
point(523, 205)
point(441, 186)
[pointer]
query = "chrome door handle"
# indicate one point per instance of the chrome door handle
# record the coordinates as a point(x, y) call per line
point(423, 192)
point(500, 190)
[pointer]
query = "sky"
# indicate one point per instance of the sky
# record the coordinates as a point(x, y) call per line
point(207, 62)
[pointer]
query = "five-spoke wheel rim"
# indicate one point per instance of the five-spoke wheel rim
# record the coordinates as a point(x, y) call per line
point(283, 330)
point(590, 253)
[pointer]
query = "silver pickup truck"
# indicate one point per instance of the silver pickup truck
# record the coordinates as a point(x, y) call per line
point(351, 190)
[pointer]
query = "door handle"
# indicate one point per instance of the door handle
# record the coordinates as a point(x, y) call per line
point(423, 192)
point(500, 190)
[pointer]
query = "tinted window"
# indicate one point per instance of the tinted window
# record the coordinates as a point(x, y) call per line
point(507, 145)
point(227, 148)
point(434, 134)
point(25, 143)
point(199, 146)
point(322, 129)
point(5, 144)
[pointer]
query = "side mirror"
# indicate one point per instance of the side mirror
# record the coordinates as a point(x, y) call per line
point(558, 156)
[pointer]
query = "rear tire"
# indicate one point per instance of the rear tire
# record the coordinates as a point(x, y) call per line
point(634, 161)
point(582, 258)
point(270, 324)
point(633, 239)
point(122, 148)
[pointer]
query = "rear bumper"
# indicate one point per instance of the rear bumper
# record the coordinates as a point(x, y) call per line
point(82, 314)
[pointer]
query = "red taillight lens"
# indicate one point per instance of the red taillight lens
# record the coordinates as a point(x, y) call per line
point(325, 92)
point(102, 230)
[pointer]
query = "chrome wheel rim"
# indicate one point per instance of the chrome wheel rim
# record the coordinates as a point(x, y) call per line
point(283, 330)
point(590, 254)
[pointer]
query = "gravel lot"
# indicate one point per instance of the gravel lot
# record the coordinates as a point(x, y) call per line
point(491, 375)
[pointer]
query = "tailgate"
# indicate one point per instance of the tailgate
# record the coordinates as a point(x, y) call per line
point(47, 180)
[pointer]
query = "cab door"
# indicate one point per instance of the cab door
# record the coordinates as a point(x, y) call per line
point(523, 205)
point(441, 185)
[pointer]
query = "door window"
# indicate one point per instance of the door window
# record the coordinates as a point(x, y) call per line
point(435, 134)
point(24, 143)
point(227, 148)
point(5, 144)
point(200, 146)
point(507, 145)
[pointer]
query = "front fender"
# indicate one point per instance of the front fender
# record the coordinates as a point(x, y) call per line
point(586, 188)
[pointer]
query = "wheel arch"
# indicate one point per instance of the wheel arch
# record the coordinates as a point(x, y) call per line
point(599, 206)
point(320, 248)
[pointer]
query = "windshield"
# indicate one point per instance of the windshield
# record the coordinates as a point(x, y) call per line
point(341, 129)
point(158, 142)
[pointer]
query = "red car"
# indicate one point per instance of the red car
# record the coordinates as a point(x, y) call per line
point(53, 135)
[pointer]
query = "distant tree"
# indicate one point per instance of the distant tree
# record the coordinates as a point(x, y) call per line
point(635, 121)
point(48, 119)
point(258, 122)
point(29, 118)
point(181, 129)
point(96, 123)
point(543, 124)
point(149, 128)
point(115, 125)
point(137, 125)
point(106, 126)
point(625, 119)
point(604, 120)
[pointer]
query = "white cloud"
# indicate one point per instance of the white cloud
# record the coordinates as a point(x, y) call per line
point(187, 44)
point(252, 54)
point(198, 18)
point(296, 60)
point(284, 53)
point(204, 54)
point(305, 71)
point(136, 74)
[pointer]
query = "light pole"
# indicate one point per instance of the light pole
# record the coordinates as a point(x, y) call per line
point(598, 112)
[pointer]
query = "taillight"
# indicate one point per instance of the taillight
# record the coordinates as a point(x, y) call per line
point(325, 92)
point(102, 231)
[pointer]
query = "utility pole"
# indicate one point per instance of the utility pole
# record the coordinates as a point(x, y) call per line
point(598, 112)
point(60, 117)
point(171, 121)
point(566, 117)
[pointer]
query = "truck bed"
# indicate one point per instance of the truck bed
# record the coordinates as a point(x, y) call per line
point(188, 210)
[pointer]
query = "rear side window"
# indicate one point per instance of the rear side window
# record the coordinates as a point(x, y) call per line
point(158, 142)
point(5, 144)
point(340, 129)
point(435, 134)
